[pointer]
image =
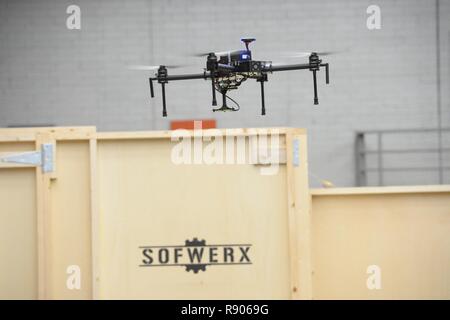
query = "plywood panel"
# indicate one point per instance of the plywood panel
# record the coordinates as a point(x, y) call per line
point(405, 234)
point(18, 239)
point(146, 200)
point(16, 146)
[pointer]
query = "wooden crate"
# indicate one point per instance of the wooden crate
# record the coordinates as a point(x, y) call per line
point(114, 198)
point(403, 231)
point(45, 218)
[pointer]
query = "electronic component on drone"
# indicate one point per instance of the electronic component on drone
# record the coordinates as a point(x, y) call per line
point(227, 70)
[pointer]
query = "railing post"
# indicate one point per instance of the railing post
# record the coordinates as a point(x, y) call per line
point(380, 158)
point(360, 160)
point(440, 156)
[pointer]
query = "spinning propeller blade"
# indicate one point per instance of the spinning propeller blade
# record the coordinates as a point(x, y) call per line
point(304, 54)
point(151, 68)
point(219, 53)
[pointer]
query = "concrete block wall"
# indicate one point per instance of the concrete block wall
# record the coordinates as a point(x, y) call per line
point(381, 79)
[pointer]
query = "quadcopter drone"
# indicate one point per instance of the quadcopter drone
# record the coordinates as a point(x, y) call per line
point(227, 71)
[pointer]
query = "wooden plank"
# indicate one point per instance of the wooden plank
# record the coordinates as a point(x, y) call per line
point(81, 133)
point(95, 228)
point(60, 133)
point(18, 252)
point(70, 233)
point(292, 219)
point(206, 133)
point(299, 205)
point(303, 209)
point(43, 182)
point(381, 190)
point(7, 136)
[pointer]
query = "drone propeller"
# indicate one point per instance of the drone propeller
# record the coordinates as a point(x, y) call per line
point(151, 68)
point(302, 54)
point(205, 54)
point(200, 55)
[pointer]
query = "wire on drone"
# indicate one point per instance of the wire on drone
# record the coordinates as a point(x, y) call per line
point(238, 107)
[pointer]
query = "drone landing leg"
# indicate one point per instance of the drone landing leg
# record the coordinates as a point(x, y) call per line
point(152, 94)
point(224, 100)
point(263, 105)
point(224, 106)
point(316, 99)
point(164, 99)
point(214, 101)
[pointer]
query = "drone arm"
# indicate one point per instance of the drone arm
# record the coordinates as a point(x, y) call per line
point(288, 67)
point(300, 67)
point(205, 75)
point(310, 66)
point(163, 78)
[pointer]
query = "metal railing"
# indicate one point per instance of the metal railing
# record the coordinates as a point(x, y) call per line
point(377, 152)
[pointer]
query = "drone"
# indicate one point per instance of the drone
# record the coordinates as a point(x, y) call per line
point(228, 70)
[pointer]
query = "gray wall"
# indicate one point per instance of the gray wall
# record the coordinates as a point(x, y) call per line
point(383, 79)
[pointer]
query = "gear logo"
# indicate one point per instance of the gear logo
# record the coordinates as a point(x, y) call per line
point(195, 267)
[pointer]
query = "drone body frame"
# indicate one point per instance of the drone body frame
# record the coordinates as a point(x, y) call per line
point(228, 70)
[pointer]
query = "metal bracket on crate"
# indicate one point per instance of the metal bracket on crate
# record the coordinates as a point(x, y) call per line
point(43, 158)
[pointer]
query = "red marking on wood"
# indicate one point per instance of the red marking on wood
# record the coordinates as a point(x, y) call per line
point(189, 124)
